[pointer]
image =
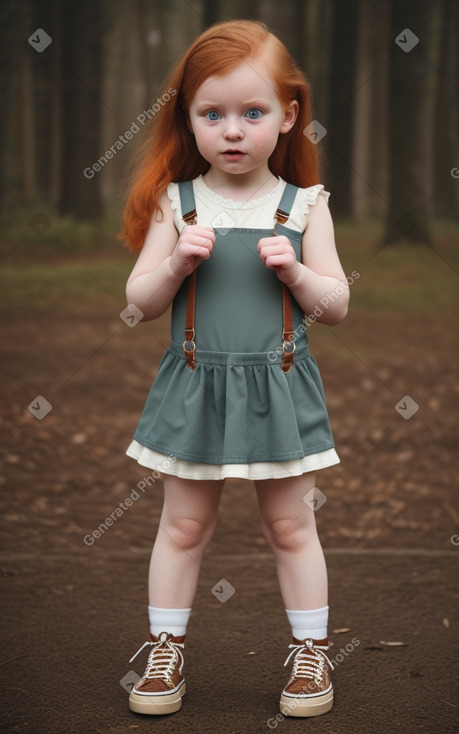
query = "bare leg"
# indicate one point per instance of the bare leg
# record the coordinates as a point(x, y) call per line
point(188, 521)
point(289, 526)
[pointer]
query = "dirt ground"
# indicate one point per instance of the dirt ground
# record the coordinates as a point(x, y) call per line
point(74, 613)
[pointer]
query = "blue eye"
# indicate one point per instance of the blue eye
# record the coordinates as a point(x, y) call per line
point(212, 115)
point(254, 113)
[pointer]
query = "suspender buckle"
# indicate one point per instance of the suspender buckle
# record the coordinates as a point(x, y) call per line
point(190, 217)
point(189, 347)
point(281, 216)
point(288, 347)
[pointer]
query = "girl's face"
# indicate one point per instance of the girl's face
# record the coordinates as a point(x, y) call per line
point(236, 119)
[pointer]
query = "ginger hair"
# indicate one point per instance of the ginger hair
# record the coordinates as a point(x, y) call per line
point(169, 152)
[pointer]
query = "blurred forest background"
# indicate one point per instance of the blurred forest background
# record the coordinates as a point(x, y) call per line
point(76, 78)
point(389, 102)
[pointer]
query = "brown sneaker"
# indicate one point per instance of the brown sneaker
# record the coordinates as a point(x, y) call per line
point(309, 691)
point(162, 686)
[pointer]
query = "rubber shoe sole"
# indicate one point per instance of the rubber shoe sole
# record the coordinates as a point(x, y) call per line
point(291, 706)
point(157, 704)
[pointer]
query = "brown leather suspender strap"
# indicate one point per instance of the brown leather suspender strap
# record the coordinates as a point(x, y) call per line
point(288, 335)
point(189, 345)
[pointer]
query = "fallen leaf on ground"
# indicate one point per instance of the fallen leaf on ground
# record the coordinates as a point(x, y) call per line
point(341, 630)
point(393, 644)
point(79, 437)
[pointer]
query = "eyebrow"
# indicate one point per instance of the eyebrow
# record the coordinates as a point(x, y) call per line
point(244, 103)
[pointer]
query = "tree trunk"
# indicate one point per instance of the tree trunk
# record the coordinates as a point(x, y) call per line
point(370, 143)
point(362, 113)
point(82, 59)
point(55, 148)
point(180, 23)
point(145, 70)
point(342, 92)
point(446, 124)
point(211, 12)
point(378, 174)
point(29, 152)
point(295, 43)
point(8, 118)
point(317, 55)
point(410, 127)
point(316, 64)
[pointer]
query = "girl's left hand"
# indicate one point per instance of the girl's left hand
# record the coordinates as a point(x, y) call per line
point(278, 254)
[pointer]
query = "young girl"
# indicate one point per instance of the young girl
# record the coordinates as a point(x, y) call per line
point(233, 228)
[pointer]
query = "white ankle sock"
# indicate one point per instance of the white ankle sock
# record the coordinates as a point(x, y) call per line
point(168, 620)
point(308, 623)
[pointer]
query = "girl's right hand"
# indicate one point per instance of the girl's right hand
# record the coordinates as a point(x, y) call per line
point(193, 246)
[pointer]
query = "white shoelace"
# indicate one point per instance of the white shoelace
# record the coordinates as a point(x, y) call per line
point(164, 654)
point(309, 661)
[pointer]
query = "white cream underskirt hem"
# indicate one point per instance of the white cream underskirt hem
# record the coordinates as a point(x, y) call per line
point(256, 470)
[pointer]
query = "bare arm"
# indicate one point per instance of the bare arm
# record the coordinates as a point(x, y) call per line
point(164, 261)
point(319, 280)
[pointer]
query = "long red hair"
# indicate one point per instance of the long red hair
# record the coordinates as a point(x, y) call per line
point(169, 152)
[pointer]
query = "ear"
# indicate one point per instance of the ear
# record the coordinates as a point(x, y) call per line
point(290, 115)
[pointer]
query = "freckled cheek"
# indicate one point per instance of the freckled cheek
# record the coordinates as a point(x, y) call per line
point(204, 140)
point(266, 143)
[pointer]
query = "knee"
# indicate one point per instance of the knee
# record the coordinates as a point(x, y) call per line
point(287, 534)
point(188, 533)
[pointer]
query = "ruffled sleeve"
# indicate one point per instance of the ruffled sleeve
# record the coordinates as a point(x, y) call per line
point(174, 196)
point(304, 199)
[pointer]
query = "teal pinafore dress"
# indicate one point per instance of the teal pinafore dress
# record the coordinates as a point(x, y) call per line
point(237, 405)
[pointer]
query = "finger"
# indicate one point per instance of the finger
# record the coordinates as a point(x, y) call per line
point(278, 261)
point(197, 230)
point(267, 241)
point(196, 251)
point(199, 241)
point(269, 251)
point(203, 253)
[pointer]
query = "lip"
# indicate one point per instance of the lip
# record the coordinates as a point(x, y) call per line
point(233, 155)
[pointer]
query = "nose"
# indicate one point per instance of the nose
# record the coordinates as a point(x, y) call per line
point(233, 130)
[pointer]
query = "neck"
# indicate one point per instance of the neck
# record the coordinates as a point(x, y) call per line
point(234, 186)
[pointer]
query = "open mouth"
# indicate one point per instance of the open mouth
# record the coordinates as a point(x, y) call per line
point(233, 154)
